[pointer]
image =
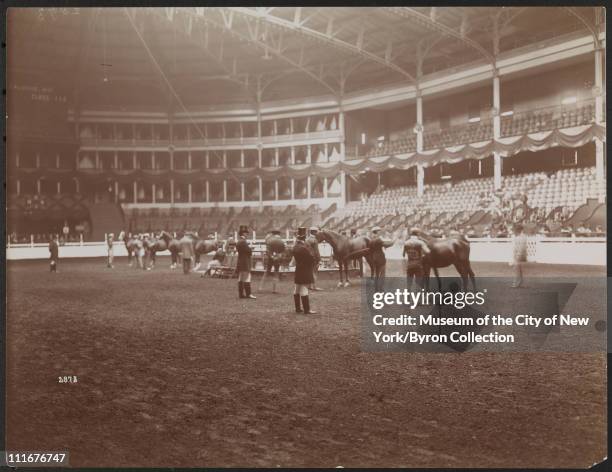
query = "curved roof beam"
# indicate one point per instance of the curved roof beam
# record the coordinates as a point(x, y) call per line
point(408, 12)
point(326, 37)
point(242, 80)
point(206, 17)
point(592, 29)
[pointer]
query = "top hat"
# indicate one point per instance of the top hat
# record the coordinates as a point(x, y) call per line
point(314, 230)
point(414, 231)
point(275, 231)
point(301, 232)
point(243, 230)
point(376, 229)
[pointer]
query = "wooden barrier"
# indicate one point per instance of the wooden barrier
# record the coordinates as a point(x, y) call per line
point(575, 250)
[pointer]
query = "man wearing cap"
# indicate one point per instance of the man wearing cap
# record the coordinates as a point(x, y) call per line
point(304, 262)
point(377, 256)
point(244, 263)
point(110, 239)
point(188, 252)
point(313, 243)
point(415, 250)
point(519, 255)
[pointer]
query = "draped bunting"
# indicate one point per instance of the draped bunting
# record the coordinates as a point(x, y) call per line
point(572, 137)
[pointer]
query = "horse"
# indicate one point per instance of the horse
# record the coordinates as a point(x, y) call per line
point(345, 250)
point(130, 247)
point(277, 254)
point(454, 250)
point(164, 242)
point(202, 246)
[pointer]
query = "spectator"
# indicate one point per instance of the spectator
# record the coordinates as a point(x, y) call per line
point(519, 255)
point(53, 253)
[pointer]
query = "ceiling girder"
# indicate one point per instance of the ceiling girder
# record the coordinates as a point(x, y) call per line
point(203, 44)
point(330, 39)
point(252, 38)
point(427, 20)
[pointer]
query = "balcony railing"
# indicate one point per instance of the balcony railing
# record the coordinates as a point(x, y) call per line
point(223, 141)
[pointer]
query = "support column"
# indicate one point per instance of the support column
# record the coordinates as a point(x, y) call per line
point(225, 190)
point(292, 154)
point(207, 191)
point(308, 154)
point(497, 161)
point(38, 186)
point(242, 196)
point(97, 160)
point(420, 179)
point(308, 190)
point(135, 192)
point(57, 161)
point(600, 150)
point(342, 135)
point(276, 157)
point(153, 193)
point(324, 187)
point(292, 189)
point(419, 122)
point(189, 192)
point(260, 182)
point(116, 191)
point(189, 161)
point(276, 190)
point(343, 193)
point(19, 187)
point(116, 160)
point(59, 187)
point(134, 163)
point(172, 191)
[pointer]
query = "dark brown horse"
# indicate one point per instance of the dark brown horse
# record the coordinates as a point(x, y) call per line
point(204, 246)
point(346, 250)
point(164, 242)
point(455, 251)
point(277, 255)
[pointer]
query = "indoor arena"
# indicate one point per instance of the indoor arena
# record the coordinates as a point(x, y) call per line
point(198, 201)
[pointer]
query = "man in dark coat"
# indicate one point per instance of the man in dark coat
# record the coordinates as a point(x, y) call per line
point(304, 262)
point(377, 255)
point(244, 264)
point(313, 243)
point(415, 250)
point(53, 253)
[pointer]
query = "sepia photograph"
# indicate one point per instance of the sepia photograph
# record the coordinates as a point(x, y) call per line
point(305, 236)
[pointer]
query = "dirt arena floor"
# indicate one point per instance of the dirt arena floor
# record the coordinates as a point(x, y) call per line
point(175, 370)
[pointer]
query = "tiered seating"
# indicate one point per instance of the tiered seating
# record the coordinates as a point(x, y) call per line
point(470, 202)
point(404, 144)
point(545, 120)
point(567, 188)
point(460, 135)
point(220, 220)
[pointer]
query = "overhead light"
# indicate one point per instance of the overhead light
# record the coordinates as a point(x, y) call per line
point(474, 119)
point(507, 113)
point(569, 100)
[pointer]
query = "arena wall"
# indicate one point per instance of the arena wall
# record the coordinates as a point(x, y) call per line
point(571, 251)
